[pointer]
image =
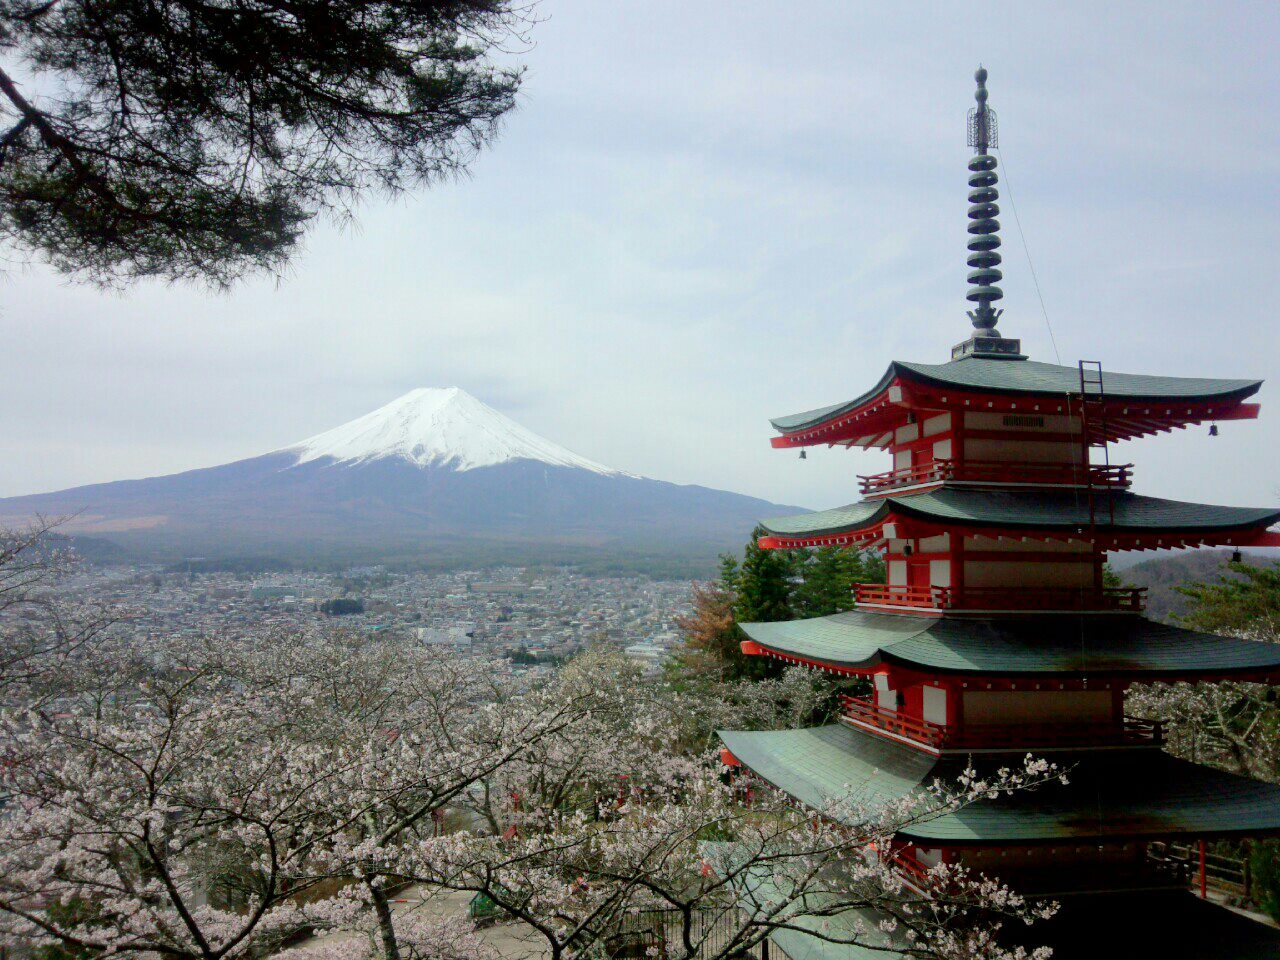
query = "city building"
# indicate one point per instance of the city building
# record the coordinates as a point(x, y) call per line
point(997, 635)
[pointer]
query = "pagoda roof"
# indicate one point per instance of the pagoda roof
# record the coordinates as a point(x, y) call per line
point(1171, 925)
point(1028, 377)
point(1135, 793)
point(1061, 644)
point(1039, 509)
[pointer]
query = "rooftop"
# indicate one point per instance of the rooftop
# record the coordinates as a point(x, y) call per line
point(1029, 378)
point(1125, 794)
point(1042, 510)
point(1062, 645)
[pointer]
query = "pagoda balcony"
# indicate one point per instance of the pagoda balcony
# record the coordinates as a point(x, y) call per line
point(864, 713)
point(860, 712)
point(1155, 870)
point(1003, 599)
point(1096, 475)
point(1062, 879)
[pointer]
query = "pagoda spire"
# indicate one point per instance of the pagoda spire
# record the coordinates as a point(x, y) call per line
point(984, 235)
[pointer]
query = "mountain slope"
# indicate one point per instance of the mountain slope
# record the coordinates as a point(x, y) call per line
point(439, 427)
point(433, 471)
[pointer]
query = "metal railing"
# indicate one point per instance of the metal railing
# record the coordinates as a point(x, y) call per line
point(658, 933)
point(1106, 599)
point(1115, 476)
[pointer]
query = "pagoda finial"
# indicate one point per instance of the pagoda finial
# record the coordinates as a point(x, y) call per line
point(984, 234)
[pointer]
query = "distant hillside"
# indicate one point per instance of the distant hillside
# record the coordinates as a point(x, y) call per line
point(1162, 575)
point(435, 478)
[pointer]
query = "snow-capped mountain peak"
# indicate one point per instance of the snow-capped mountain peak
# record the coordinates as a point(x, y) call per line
point(442, 427)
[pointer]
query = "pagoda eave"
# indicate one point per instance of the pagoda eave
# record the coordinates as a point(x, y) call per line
point(1005, 649)
point(1145, 540)
point(1121, 795)
point(1102, 673)
point(904, 391)
point(1112, 520)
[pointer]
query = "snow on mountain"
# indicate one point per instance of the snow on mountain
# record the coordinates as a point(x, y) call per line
point(441, 427)
point(403, 482)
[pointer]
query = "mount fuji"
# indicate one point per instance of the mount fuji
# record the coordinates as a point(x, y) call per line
point(435, 473)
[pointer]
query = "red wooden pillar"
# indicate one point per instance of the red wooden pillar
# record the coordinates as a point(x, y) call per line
point(1204, 876)
point(955, 543)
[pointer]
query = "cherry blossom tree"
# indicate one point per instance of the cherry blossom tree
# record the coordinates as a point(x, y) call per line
point(686, 869)
point(1234, 726)
point(242, 791)
point(628, 828)
point(224, 797)
point(41, 627)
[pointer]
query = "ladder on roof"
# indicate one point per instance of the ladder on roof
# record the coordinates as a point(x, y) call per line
point(1093, 415)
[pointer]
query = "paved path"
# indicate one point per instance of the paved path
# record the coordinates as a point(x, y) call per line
point(510, 940)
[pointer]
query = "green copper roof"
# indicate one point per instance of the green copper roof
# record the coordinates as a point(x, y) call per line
point(1116, 794)
point(1170, 925)
point(1063, 644)
point(1033, 509)
point(1030, 377)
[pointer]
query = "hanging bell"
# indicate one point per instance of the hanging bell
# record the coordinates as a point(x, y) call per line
point(1213, 429)
point(1236, 556)
point(804, 454)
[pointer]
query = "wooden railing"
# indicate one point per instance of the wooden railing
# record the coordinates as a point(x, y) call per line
point(999, 472)
point(1223, 872)
point(1030, 599)
point(903, 857)
point(866, 712)
point(935, 471)
point(1132, 731)
point(885, 595)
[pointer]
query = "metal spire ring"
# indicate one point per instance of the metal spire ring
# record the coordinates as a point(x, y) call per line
point(984, 236)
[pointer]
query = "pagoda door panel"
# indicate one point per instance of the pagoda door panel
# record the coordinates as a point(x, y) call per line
point(934, 701)
point(918, 574)
point(940, 573)
point(886, 697)
point(897, 573)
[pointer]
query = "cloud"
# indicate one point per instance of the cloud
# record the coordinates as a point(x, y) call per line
point(706, 215)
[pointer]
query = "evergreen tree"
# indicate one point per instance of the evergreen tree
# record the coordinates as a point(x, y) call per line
point(1245, 601)
point(873, 568)
point(763, 583)
point(200, 138)
point(767, 586)
point(827, 578)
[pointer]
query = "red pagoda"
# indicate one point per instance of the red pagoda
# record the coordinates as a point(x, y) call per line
point(996, 634)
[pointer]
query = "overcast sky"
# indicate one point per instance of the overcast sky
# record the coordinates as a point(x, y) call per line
point(706, 214)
